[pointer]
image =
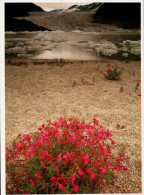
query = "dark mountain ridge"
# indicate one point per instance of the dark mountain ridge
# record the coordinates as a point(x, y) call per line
point(19, 10)
point(124, 15)
point(12, 24)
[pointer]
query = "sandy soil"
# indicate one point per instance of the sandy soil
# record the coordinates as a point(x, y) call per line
point(36, 93)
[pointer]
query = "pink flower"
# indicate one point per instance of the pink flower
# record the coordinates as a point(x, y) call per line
point(88, 171)
point(86, 159)
point(75, 188)
point(43, 155)
point(61, 186)
point(56, 169)
point(122, 158)
point(53, 179)
point(112, 182)
point(72, 178)
point(80, 172)
point(37, 174)
point(44, 185)
point(42, 163)
point(20, 146)
point(67, 157)
point(27, 137)
point(126, 169)
point(108, 65)
point(31, 152)
point(59, 159)
point(43, 126)
point(117, 168)
point(95, 121)
point(113, 142)
point(92, 150)
point(81, 144)
point(32, 182)
point(102, 173)
point(7, 155)
point(92, 176)
point(102, 185)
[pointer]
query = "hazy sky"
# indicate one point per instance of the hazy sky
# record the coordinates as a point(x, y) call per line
point(61, 5)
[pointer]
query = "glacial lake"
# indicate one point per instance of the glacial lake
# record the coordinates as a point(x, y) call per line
point(73, 45)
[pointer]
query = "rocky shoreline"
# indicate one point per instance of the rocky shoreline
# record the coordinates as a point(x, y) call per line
point(39, 90)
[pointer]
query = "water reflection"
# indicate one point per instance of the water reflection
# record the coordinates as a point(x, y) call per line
point(70, 45)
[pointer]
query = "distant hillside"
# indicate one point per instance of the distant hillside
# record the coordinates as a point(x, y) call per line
point(124, 15)
point(20, 9)
point(13, 24)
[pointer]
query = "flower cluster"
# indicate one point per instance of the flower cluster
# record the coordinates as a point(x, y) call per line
point(66, 156)
point(113, 72)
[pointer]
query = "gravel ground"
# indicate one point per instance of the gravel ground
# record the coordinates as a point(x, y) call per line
point(47, 90)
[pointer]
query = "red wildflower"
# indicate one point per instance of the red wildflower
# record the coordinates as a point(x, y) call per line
point(112, 182)
point(31, 152)
point(43, 126)
point(75, 188)
point(27, 137)
point(37, 174)
point(80, 172)
point(92, 176)
point(88, 171)
point(7, 155)
point(43, 155)
point(61, 187)
point(53, 179)
point(125, 168)
point(122, 158)
point(72, 178)
point(102, 173)
point(32, 182)
point(113, 142)
point(20, 146)
point(95, 121)
point(102, 185)
point(86, 159)
point(56, 169)
point(59, 159)
point(42, 163)
point(67, 157)
point(117, 168)
point(92, 150)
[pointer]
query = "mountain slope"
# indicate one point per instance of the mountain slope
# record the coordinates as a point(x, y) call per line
point(20, 9)
point(124, 15)
point(12, 24)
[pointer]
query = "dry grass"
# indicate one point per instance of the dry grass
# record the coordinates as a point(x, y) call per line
point(36, 93)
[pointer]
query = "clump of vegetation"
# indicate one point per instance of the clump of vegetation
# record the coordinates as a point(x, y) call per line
point(66, 156)
point(113, 72)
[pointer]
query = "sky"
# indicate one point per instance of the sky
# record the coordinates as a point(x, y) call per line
point(60, 5)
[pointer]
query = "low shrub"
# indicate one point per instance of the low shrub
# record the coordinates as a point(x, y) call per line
point(113, 72)
point(66, 156)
